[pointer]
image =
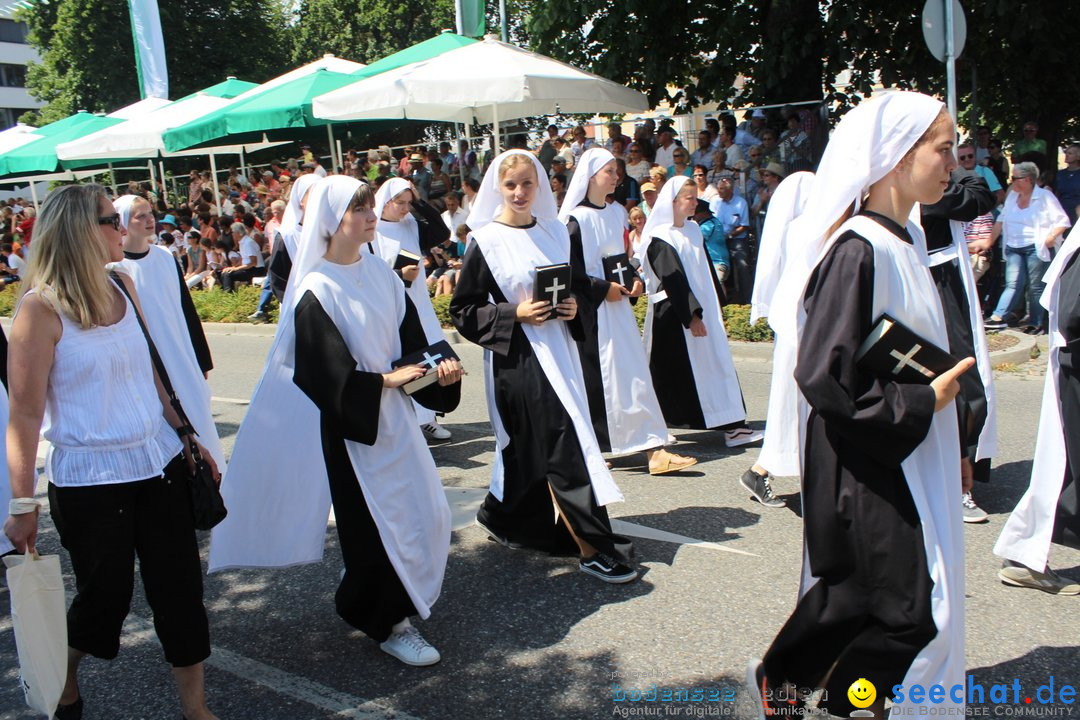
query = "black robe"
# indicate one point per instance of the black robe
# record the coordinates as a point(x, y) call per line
point(669, 362)
point(279, 268)
point(869, 613)
point(543, 450)
point(1067, 520)
point(370, 596)
point(966, 198)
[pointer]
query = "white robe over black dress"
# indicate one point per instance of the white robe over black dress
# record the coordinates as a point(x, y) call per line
point(176, 330)
point(881, 484)
point(967, 197)
point(622, 404)
point(694, 377)
point(535, 390)
point(1049, 511)
point(393, 237)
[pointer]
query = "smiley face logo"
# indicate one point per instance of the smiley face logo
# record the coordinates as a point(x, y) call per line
point(862, 693)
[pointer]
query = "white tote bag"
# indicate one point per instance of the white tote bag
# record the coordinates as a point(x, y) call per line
point(38, 614)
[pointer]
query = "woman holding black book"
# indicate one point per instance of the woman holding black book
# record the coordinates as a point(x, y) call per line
point(882, 595)
point(625, 412)
point(402, 242)
point(547, 457)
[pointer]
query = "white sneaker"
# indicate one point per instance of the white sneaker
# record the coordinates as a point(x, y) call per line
point(972, 512)
point(742, 436)
point(410, 647)
point(433, 431)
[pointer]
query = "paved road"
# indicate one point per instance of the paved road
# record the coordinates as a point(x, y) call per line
point(528, 637)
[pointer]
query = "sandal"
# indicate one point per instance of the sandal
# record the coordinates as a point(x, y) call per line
point(671, 463)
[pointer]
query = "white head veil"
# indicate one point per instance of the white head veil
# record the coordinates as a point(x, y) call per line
point(123, 205)
point(663, 213)
point(590, 163)
point(864, 148)
point(488, 203)
point(294, 214)
point(327, 202)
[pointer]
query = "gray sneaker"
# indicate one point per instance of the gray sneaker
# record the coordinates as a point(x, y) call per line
point(972, 512)
point(1049, 582)
point(759, 488)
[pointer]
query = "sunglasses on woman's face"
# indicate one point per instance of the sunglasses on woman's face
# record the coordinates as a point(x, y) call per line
point(113, 220)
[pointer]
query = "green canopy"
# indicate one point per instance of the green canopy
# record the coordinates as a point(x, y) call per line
point(230, 87)
point(284, 111)
point(40, 156)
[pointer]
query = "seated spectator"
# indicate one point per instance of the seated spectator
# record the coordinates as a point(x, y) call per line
point(681, 164)
point(618, 148)
point(558, 167)
point(558, 187)
point(468, 193)
point(648, 197)
point(637, 166)
point(795, 146)
point(217, 259)
point(771, 176)
point(562, 150)
point(12, 266)
point(615, 135)
point(454, 214)
point(1028, 144)
point(627, 191)
point(705, 191)
point(718, 167)
point(197, 260)
point(547, 148)
point(251, 260)
point(732, 151)
point(637, 225)
point(770, 147)
point(965, 154)
point(580, 143)
point(440, 184)
point(997, 162)
point(658, 176)
point(169, 243)
point(705, 151)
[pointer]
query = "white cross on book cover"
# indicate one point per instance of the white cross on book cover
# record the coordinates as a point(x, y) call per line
point(552, 284)
point(617, 269)
point(429, 357)
point(896, 352)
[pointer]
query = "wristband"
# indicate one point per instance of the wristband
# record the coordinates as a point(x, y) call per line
point(22, 506)
point(185, 430)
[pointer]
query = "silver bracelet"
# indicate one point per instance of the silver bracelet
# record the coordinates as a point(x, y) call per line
point(22, 506)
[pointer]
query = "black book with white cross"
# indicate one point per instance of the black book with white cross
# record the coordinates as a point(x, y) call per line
point(552, 284)
point(403, 260)
point(617, 269)
point(895, 352)
point(429, 357)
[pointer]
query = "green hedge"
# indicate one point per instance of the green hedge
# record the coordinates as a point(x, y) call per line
point(219, 306)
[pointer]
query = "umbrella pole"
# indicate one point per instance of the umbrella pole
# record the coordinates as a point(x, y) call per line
point(213, 178)
point(112, 179)
point(330, 138)
point(33, 196)
point(340, 157)
point(495, 128)
point(243, 165)
point(150, 169)
point(164, 187)
point(461, 155)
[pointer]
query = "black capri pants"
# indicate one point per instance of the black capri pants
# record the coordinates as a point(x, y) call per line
point(104, 528)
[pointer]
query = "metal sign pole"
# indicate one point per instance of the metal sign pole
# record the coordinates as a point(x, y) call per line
point(950, 57)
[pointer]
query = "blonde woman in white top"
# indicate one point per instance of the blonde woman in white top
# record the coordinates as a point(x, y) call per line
point(78, 360)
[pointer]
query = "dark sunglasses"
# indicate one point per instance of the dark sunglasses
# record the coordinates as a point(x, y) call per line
point(113, 220)
point(966, 157)
point(1014, 178)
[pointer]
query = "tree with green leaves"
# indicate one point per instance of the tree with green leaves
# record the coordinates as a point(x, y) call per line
point(88, 57)
point(690, 52)
point(366, 31)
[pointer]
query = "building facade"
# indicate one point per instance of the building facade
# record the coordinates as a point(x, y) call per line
point(15, 53)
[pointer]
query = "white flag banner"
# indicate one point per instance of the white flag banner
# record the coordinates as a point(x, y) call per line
point(149, 48)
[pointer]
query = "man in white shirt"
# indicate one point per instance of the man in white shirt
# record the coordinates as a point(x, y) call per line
point(665, 151)
point(251, 264)
point(15, 265)
point(454, 215)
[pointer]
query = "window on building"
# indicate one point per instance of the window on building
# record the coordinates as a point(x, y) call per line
point(12, 32)
point(9, 117)
point(12, 75)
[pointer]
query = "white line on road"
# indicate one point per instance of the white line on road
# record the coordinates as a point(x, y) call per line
point(230, 401)
point(342, 704)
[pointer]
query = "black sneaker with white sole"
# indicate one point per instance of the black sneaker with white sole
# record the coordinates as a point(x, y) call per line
point(607, 569)
point(760, 489)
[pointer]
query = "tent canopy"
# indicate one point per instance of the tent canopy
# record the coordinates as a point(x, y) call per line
point(275, 105)
point(487, 81)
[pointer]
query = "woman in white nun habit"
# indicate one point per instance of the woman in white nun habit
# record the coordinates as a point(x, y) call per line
point(778, 253)
point(348, 319)
point(547, 456)
point(882, 596)
point(399, 230)
point(689, 358)
point(281, 259)
point(1049, 512)
point(623, 407)
point(170, 317)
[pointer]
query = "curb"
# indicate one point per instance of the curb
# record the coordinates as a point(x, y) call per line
point(1018, 353)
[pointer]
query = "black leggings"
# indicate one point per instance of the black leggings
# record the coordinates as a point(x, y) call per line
point(103, 528)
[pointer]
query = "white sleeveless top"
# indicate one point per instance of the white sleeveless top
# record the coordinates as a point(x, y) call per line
point(103, 416)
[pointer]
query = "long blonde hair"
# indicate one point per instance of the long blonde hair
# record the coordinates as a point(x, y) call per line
point(67, 259)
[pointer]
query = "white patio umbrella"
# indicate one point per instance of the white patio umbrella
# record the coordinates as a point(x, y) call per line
point(17, 136)
point(487, 82)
